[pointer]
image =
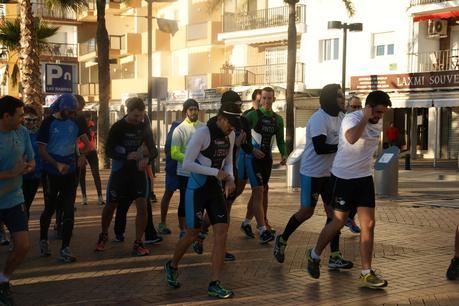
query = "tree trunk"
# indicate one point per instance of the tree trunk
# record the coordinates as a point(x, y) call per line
point(29, 59)
point(291, 65)
point(103, 45)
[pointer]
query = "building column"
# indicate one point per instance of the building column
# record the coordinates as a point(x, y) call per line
point(414, 133)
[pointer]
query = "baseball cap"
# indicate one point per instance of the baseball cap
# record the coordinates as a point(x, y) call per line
point(230, 97)
point(232, 112)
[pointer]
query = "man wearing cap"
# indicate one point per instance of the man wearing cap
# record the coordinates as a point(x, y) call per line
point(56, 140)
point(180, 138)
point(209, 160)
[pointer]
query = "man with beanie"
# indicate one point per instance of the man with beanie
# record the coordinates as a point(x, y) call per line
point(208, 159)
point(321, 146)
point(180, 138)
point(353, 187)
point(56, 140)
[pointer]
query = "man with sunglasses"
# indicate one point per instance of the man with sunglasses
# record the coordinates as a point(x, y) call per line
point(56, 140)
point(354, 103)
point(320, 150)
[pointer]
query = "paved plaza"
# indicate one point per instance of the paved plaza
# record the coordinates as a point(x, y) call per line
point(413, 247)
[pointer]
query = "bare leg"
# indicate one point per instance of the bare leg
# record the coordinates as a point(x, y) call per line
point(367, 224)
point(456, 245)
point(107, 216)
point(17, 256)
point(167, 196)
point(218, 252)
point(249, 215)
point(257, 194)
point(141, 218)
point(183, 245)
point(330, 230)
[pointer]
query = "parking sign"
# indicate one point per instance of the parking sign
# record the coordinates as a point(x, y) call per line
point(58, 78)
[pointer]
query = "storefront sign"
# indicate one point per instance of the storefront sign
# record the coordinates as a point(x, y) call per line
point(434, 79)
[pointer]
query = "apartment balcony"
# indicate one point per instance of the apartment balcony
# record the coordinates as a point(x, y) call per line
point(90, 91)
point(161, 41)
point(88, 13)
point(423, 2)
point(261, 25)
point(131, 44)
point(88, 50)
point(445, 7)
point(259, 75)
point(440, 60)
point(64, 52)
point(39, 9)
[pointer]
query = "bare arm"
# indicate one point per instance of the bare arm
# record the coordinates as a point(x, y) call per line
point(353, 134)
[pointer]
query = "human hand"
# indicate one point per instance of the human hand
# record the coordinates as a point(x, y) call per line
point(230, 187)
point(222, 175)
point(142, 164)
point(283, 161)
point(258, 154)
point(367, 112)
point(62, 168)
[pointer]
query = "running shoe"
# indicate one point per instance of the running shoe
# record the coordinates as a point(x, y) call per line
point(67, 256)
point(279, 249)
point(182, 234)
point(100, 246)
point(84, 201)
point(453, 270)
point(313, 266)
point(119, 238)
point(171, 275)
point(3, 236)
point(247, 230)
point(216, 290)
point(139, 249)
point(44, 248)
point(153, 198)
point(153, 240)
point(371, 280)
point(338, 262)
point(230, 257)
point(266, 237)
point(353, 227)
point(100, 201)
point(163, 229)
point(197, 246)
point(6, 297)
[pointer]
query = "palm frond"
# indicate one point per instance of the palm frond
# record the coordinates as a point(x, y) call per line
point(10, 33)
point(349, 7)
point(15, 74)
point(66, 5)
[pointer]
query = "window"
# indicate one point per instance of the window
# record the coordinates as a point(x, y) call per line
point(196, 31)
point(383, 44)
point(196, 82)
point(328, 49)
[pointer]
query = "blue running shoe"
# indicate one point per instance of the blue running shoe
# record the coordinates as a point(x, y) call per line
point(216, 290)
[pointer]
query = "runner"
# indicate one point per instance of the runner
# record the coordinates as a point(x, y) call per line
point(180, 138)
point(265, 125)
point(171, 183)
point(453, 270)
point(128, 179)
point(352, 181)
point(16, 159)
point(56, 140)
point(31, 181)
point(209, 159)
point(321, 146)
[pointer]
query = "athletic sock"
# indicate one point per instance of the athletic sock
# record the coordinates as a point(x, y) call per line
point(261, 229)
point(314, 255)
point(335, 254)
point(291, 227)
point(246, 222)
point(365, 272)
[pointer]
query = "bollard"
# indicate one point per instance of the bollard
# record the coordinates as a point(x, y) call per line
point(407, 162)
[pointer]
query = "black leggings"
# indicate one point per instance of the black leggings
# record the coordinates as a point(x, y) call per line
point(121, 218)
point(93, 162)
point(59, 192)
point(29, 189)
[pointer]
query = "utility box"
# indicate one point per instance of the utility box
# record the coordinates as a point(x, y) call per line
point(293, 167)
point(386, 172)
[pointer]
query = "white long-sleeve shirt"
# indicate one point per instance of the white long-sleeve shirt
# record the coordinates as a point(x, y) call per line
point(197, 163)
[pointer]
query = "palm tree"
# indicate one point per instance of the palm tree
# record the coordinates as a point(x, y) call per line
point(29, 61)
point(10, 36)
point(291, 64)
point(103, 64)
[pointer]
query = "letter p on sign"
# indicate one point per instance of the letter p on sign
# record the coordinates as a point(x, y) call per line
point(53, 72)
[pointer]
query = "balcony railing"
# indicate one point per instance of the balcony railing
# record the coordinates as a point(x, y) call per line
point(91, 4)
point(272, 17)
point(39, 9)
point(257, 75)
point(117, 42)
point(60, 50)
point(88, 89)
point(439, 60)
point(421, 2)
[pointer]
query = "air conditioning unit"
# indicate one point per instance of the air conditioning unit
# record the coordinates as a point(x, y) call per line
point(437, 28)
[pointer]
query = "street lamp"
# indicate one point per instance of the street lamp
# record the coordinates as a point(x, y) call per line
point(353, 27)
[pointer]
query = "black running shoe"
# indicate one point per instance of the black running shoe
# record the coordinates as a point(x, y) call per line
point(247, 230)
point(5, 294)
point(266, 237)
point(453, 270)
point(313, 266)
point(230, 257)
point(279, 249)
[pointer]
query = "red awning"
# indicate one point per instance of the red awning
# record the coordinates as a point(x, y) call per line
point(443, 15)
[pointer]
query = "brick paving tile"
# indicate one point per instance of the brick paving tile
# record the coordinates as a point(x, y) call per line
point(413, 246)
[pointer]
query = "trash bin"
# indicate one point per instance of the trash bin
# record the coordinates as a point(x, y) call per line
point(293, 167)
point(386, 172)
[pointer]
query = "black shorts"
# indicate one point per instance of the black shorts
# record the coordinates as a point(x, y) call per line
point(204, 192)
point(183, 182)
point(127, 185)
point(259, 170)
point(312, 187)
point(352, 193)
point(15, 218)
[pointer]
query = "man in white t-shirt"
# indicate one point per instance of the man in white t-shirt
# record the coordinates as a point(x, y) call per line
point(321, 146)
point(352, 181)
